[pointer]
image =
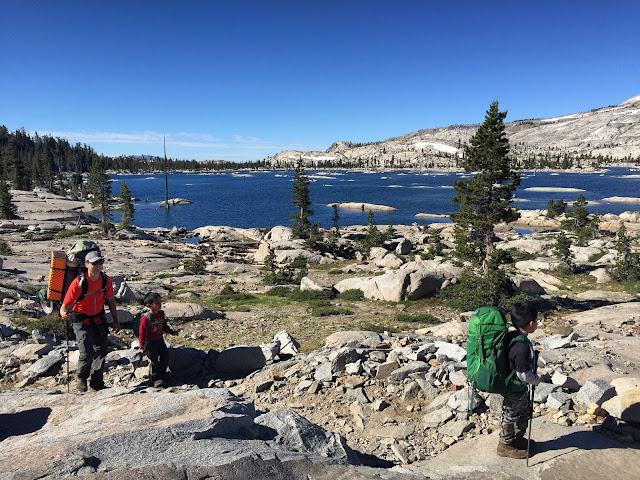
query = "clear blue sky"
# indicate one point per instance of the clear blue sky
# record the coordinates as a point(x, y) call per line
point(242, 80)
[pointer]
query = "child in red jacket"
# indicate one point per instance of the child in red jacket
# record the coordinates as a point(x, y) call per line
point(152, 325)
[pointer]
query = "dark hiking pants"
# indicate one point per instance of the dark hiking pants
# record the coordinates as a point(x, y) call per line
point(515, 416)
point(92, 344)
point(159, 356)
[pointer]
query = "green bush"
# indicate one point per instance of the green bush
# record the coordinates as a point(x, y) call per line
point(278, 291)
point(473, 291)
point(5, 248)
point(325, 311)
point(309, 295)
point(70, 233)
point(354, 294)
point(51, 324)
point(227, 289)
point(196, 265)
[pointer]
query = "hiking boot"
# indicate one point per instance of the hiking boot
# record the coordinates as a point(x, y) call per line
point(522, 443)
point(158, 383)
point(81, 385)
point(510, 451)
point(97, 386)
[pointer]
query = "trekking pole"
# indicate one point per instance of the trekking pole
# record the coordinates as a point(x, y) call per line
point(533, 389)
point(66, 334)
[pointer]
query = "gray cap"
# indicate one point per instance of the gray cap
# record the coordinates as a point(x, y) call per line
point(93, 257)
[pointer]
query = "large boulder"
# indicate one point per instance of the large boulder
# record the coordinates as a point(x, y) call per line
point(295, 432)
point(279, 233)
point(315, 285)
point(423, 284)
point(240, 360)
point(625, 406)
point(187, 311)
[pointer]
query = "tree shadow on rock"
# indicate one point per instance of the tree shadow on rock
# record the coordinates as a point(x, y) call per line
point(22, 423)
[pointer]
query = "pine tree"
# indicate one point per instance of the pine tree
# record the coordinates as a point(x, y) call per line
point(562, 250)
point(8, 209)
point(336, 219)
point(99, 186)
point(125, 206)
point(627, 266)
point(580, 222)
point(302, 225)
point(485, 199)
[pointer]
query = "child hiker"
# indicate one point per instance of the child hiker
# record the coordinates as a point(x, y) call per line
point(515, 407)
point(152, 325)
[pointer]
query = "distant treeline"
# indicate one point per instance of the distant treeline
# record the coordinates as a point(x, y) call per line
point(29, 161)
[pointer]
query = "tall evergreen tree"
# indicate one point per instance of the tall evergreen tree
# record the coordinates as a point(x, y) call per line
point(99, 186)
point(485, 199)
point(8, 209)
point(301, 227)
point(125, 206)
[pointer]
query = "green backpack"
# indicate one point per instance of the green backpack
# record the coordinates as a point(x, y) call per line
point(138, 318)
point(488, 353)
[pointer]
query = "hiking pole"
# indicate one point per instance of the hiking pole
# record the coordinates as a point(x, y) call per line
point(533, 389)
point(66, 334)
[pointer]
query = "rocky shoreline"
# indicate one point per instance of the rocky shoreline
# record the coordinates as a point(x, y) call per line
point(360, 404)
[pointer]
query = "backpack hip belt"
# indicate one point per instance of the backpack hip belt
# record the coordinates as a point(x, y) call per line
point(77, 317)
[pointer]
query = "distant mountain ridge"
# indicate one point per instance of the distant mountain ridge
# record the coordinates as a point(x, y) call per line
point(612, 131)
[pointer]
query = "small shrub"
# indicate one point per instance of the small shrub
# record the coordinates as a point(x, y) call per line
point(329, 310)
point(196, 265)
point(70, 233)
point(473, 291)
point(309, 295)
point(353, 294)
point(278, 291)
point(5, 248)
point(51, 324)
point(227, 289)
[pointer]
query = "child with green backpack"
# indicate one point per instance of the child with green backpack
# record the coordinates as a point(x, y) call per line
point(152, 325)
point(503, 362)
point(516, 407)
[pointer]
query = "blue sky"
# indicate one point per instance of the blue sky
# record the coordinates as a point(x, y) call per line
point(242, 80)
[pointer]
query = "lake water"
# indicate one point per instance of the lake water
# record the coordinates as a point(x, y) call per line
point(262, 199)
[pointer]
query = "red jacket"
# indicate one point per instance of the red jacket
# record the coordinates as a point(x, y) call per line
point(153, 328)
point(93, 302)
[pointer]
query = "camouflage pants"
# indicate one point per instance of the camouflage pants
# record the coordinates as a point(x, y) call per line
point(515, 416)
point(92, 344)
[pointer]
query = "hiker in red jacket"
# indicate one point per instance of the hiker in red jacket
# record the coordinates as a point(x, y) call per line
point(83, 304)
point(152, 325)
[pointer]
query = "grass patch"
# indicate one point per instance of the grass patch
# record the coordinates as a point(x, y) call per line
point(311, 346)
point(596, 256)
point(279, 291)
point(76, 231)
point(418, 318)
point(326, 311)
point(309, 295)
point(168, 275)
point(51, 324)
point(353, 294)
point(631, 286)
point(378, 327)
